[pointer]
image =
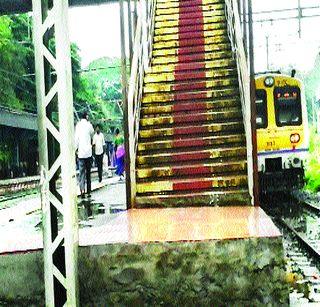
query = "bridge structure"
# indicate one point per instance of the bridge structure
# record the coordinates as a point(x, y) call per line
point(187, 57)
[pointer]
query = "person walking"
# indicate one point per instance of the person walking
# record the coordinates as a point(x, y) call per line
point(109, 147)
point(120, 153)
point(98, 145)
point(83, 135)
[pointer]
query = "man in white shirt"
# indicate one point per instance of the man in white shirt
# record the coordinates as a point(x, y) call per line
point(83, 135)
point(98, 145)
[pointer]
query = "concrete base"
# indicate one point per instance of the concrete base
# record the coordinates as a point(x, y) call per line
point(229, 266)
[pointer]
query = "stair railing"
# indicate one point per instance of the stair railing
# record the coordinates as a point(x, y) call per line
point(236, 38)
point(140, 62)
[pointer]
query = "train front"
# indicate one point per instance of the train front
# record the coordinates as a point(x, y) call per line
point(282, 132)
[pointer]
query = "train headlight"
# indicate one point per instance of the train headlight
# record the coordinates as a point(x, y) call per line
point(294, 138)
point(269, 81)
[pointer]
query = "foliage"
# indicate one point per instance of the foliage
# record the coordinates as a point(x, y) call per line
point(25, 88)
point(12, 57)
point(311, 81)
point(100, 91)
point(5, 154)
point(94, 91)
point(312, 172)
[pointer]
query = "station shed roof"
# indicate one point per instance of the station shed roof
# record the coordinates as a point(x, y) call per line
point(8, 7)
point(18, 119)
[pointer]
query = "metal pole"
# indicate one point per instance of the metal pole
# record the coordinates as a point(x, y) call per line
point(125, 104)
point(299, 17)
point(67, 150)
point(267, 49)
point(135, 17)
point(253, 108)
point(240, 10)
point(245, 28)
point(60, 257)
point(130, 36)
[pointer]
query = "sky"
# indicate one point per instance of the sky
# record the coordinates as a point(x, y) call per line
point(277, 43)
point(96, 30)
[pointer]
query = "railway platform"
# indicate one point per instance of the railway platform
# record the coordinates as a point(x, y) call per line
point(194, 234)
point(143, 256)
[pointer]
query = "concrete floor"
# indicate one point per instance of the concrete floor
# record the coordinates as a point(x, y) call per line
point(20, 221)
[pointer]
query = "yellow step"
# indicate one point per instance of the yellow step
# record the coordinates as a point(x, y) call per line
point(211, 104)
point(171, 37)
point(191, 169)
point(175, 4)
point(192, 142)
point(216, 64)
point(175, 29)
point(191, 49)
point(191, 118)
point(173, 1)
point(215, 197)
point(177, 16)
point(190, 96)
point(175, 23)
point(183, 86)
point(177, 44)
point(176, 10)
point(192, 57)
point(184, 157)
point(186, 184)
point(191, 130)
point(171, 76)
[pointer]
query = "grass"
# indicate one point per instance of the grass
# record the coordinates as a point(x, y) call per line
point(312, 170)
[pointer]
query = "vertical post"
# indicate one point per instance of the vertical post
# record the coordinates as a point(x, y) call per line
point(135, 17)
point(245, 28)
point(253, 108)
point(144, 25)
point(267, 50)
point(130, 36)
point(56, 152)
point(125, 105)
point(240, 10)
point(299, 17)
point(67, 150)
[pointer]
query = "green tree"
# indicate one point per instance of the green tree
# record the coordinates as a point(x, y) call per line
point(103, 79)
point(96, 90)
point(22, 33)
point(11, 65)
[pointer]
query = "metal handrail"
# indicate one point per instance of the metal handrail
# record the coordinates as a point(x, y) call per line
point(236, 38)
point(140, 62)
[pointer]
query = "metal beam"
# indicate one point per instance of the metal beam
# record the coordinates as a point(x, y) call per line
point(125, 101)
point(253, 107)
point(130, 34)
point(8, 7)
point(56, 147)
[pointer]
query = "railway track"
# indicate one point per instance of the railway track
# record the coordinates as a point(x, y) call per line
point(312, 245)
point(20, 187)
point(298, 220)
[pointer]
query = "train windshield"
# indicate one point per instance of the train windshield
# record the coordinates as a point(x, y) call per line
point(261, 109)
point(287, 102)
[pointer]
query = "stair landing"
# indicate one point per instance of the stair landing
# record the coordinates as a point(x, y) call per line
point(163, 225)
point(222, 256)
point(183, 224)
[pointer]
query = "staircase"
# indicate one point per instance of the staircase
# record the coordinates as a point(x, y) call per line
point(192, 145)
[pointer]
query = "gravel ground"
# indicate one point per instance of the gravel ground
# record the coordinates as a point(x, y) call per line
point(305, 195)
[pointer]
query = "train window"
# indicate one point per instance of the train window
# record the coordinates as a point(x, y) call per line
point(287, 102)
point(261, 109)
